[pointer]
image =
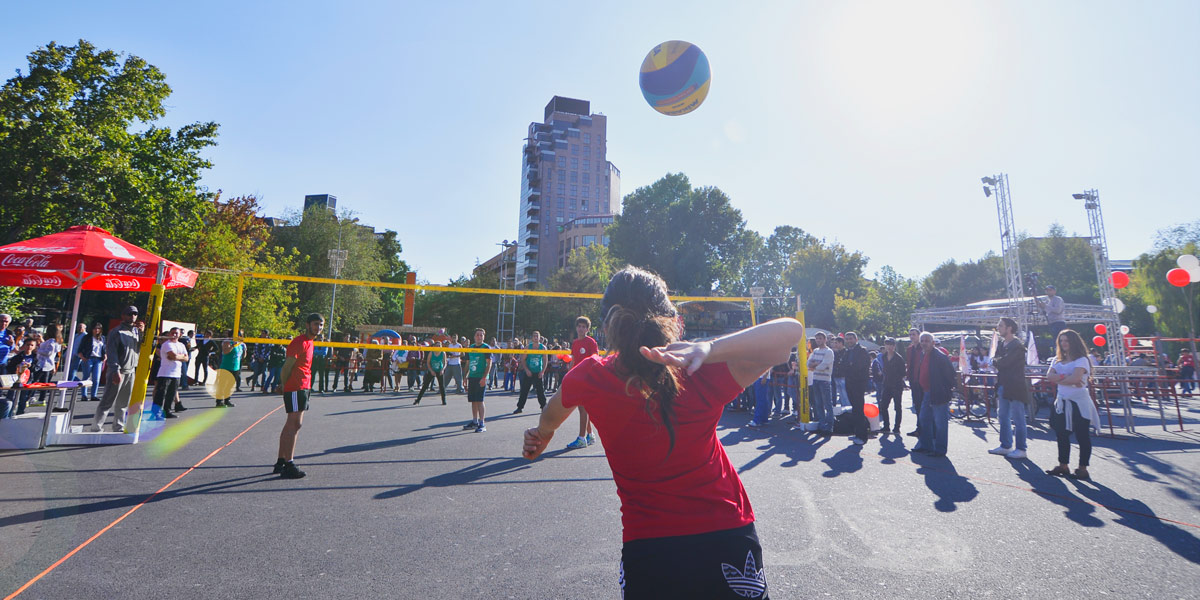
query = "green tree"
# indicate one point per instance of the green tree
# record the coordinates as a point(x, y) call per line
point(956, 284)
point(693, 238)
point(11, 302)
point(458, 313)
point(391, 301)
point(313, 233)
point(1064, 261)
point(819, 272)
point(80, 142)
point(1148, 283)
point(884, 309)
point(768, 260)
point(235, 239)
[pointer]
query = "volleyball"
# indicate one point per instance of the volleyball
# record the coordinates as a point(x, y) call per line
point(675, 77)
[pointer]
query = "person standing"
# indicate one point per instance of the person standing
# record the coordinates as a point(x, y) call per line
point(231, 363)
point(454, 365)
point(76, 362)
point(21, 360)
point(1012, 391)
point(171, 353)
point(297, 387)
point(583, 347)
point(512, 364)
point(840, 397)
point(688, 524)
point(415, 363)
point(345, 365)
point(479, 363)
point(891, 389)
point(7, 342)
point(912, 357)
point(1055, 308)
point(531, 374)
point(1187, 371)
point(122, 346)
point(204, 348)
point(858, 373)
point(321, 367)
point(48, 352)
point(435, 365)
point(186, 340)
point(276, 356)
point(258, 363)
point(820, 364)
point(1074, 411)
point(91, 358)
point(936, 377)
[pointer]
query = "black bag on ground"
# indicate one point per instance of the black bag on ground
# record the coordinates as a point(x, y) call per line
point(843, 424)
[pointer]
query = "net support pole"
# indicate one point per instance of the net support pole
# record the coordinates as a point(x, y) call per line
point(141, 377)
point(753, 317)
point(802, 365)
point(237, 305)
point(410, 300)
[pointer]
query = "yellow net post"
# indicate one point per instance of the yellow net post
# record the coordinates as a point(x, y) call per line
point(802, 374)
point(141, 377)
point(237, 306)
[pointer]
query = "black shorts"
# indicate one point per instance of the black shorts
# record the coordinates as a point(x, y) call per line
point(295, 401)
point(717, 564)
point(475, 389)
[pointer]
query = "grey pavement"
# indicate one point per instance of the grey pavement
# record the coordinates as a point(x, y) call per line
point(400, 502)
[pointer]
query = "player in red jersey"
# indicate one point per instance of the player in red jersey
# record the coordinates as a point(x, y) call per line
point(297, 384)
point(688, 525)
point(582, 347)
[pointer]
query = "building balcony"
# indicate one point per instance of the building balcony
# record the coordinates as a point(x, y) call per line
point(531, 224)
point(534, 210)
point(547, 155)
point(561, 144)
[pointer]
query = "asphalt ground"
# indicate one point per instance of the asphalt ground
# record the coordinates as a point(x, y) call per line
point(400, 502)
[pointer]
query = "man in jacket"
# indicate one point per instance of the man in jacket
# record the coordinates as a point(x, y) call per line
point(892, 388)
point(1012, 390)
point(936, 376)
point(121, 349)
point(820, 363)
point(912, 356)
point(858, 372)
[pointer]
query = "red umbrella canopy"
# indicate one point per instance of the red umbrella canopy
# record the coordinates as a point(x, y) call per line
point(102, 261)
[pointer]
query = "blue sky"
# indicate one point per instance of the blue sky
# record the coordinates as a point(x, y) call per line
point(865, 122)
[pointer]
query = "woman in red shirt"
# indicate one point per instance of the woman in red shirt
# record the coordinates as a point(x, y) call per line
point(655, 401)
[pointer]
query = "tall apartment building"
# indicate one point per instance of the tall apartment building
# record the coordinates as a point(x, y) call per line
point(565, 175)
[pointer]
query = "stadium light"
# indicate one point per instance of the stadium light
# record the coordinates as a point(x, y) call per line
point(988, 181)
point(987, 191)
point(1079, 196)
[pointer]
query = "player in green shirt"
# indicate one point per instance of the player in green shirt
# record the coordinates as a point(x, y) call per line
point(531, 374)
point(478, 365)
point(435, 363)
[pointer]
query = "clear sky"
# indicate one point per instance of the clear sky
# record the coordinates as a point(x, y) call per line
point(865, 122)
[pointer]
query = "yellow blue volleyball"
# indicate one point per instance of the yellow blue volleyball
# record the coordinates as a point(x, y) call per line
point(675, 77)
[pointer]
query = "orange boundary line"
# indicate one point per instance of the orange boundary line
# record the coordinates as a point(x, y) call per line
point(60, 561)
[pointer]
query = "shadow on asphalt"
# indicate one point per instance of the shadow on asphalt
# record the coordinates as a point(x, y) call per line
point(467, 475)
point(382, 444)
point(944, 481)
point(1081, 499)
point(846, 460)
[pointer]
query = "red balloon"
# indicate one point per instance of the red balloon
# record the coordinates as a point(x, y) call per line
point(1098, 340)
point(1178, 277)
point(1119, 279)
point(1100, 329)
point(567, 358)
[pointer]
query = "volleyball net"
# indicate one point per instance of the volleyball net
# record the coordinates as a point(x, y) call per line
point(440, 311)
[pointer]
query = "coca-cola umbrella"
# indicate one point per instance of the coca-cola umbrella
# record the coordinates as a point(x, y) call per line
point(86, 258)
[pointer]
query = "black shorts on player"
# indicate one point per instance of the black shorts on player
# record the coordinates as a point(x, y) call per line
point(475, 389)
point(296, 401)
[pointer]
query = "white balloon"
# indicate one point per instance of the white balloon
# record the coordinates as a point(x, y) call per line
point(1187, 260)
point(1151, 309)
point(1115, 304)
point(1193, 273)
point(1124, 330)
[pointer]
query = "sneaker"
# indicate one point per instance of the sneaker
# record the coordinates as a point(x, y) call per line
point(229, 404)
point(591, 439)
point(180, 407)
point(577, 444)
point(290, 471)
point(93, 429)
point(482, 428)
point(858, 441)
point(518, 411)
point(170, 415)
point(1000, 450)
point(220, 404)
point(470, 425)
point(1016, 454)
point(755, 424)
point(279, 464)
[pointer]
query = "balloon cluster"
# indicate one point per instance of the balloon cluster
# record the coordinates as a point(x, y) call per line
point(1187, 272)
point(1100, 330)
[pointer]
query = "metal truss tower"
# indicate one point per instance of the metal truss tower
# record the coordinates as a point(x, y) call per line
point(1098, 241)
point(507, 310)
point(1019, 308)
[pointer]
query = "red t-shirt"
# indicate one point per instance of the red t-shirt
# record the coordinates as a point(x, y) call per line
point(301, 349)
point(693, 490)
point(582, 348)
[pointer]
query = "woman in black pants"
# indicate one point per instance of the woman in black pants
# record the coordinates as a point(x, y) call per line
point(435, 364)
point(1074, 411)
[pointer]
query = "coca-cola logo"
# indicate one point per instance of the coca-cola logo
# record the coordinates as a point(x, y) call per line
point(32, 261)
point(35, 280)
point(50, 250)
point(120, 284)
point(187, 278)
point(125, 268)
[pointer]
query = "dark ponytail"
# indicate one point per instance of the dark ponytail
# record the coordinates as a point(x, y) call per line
point(637, 312)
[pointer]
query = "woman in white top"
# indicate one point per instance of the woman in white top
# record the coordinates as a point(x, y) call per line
point(1074, 411)
point(47, 358)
